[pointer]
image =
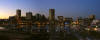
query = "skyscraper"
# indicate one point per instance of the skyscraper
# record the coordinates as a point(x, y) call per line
point(18, 13)
point(52, 24)
point(60, 18)
point(18, 16)
point(29, 15)
point(52, 19)
point(38, 17)
point(51, 14)
point(92, 17)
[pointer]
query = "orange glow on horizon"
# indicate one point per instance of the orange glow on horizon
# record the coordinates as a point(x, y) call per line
point(4, 17)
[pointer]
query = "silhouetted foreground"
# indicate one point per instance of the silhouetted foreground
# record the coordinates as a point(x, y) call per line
point(32, 36)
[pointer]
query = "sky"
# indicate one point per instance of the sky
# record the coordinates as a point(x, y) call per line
point(66, 8)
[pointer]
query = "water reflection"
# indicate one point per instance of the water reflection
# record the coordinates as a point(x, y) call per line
point(36, 28)
point(2, 28)
point(43, 31)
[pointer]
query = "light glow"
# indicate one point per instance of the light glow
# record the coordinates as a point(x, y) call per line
point(95, 29)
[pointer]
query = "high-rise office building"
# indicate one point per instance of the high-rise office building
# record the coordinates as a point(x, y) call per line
point(92, 17)
point(18, 16)
point(51, 14)
point(52, 19)
point(29, 15)
point(52, 24)
point(61, 23)
point(38, 17)
point(18, 13)
point(60, 18)
point(68, 20)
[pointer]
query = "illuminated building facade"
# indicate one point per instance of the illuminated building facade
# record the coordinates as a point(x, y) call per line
point(52, 14)
point(68, 20)
point(52, 24)
point(29, 15)
point(52, 20)
point(92, 17)
point(61, 23)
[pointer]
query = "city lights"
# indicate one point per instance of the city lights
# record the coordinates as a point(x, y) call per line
point(49, 19)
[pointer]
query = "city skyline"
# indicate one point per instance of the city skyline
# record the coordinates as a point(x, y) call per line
point(66, 8)
point(49, 19)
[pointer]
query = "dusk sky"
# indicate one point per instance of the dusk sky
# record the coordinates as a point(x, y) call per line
point(66, 8)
